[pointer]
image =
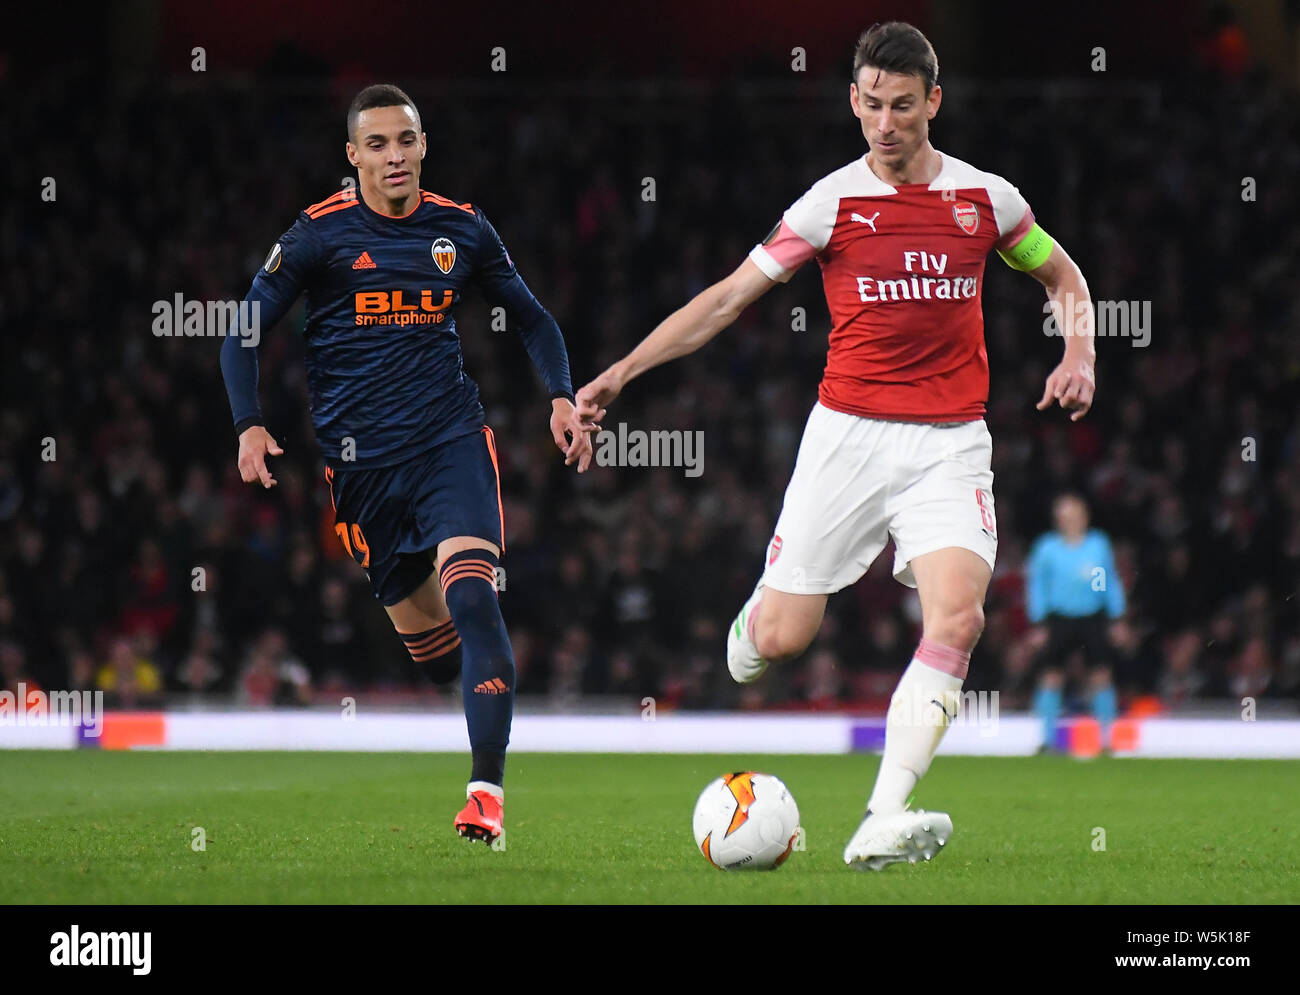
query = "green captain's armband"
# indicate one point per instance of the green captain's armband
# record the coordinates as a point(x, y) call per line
point(1030, 252)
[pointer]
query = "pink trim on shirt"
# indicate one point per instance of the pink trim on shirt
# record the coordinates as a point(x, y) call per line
point(789, 249)
point(1018, 232)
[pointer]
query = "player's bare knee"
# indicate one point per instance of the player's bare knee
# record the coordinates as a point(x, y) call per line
point(970, 626)
point(959, 628)
point(413, 614)
point(780, 637)
point(777, 646)
point(784, 624)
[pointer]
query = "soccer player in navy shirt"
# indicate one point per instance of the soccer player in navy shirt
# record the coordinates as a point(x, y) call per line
point(411, 467)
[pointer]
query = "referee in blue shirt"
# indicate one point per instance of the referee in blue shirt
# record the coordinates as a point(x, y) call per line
point(1073, 590)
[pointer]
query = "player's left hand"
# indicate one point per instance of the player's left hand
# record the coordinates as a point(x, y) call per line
point(1072, 385)
point(573, 442)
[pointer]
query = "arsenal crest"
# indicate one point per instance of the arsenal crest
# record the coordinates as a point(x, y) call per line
point(967, 216)
point(444, 254)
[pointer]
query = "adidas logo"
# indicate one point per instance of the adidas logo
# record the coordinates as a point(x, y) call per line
point(364, 262)
point(494, 686)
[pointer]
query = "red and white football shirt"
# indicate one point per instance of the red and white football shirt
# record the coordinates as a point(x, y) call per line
point(902, 268)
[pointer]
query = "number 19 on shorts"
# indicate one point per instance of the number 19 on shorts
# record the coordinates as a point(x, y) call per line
point(354, 541)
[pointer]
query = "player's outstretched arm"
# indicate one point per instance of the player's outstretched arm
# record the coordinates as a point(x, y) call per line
point(275, 287)
point(1074, 381)
point(682, 332)
point(239, 368)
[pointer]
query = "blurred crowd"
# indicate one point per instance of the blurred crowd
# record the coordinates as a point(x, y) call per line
point(135, 561)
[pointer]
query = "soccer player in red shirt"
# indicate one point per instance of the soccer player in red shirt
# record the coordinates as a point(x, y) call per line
point(896, 445)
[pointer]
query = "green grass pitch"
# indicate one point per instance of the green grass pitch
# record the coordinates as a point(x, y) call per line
point(106, 827)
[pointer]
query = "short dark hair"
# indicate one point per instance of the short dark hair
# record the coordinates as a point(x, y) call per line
point(378, 95)
point(897, 47)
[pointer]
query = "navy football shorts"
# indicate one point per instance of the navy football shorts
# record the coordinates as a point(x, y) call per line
point(391, 518)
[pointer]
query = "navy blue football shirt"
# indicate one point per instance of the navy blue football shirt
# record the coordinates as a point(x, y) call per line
point(384, 364)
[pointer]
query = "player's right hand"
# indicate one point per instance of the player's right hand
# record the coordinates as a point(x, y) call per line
point(592, 401)
point(255, 444)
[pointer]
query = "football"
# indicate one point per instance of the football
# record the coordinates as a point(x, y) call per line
point(746, 821)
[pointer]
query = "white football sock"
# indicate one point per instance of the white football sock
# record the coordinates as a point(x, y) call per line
point(488, 786)
point(924, 703)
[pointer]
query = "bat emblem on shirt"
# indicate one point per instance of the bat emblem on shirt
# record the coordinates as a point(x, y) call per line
point(444, 254)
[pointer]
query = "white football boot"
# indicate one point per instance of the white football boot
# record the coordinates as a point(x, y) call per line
point(890, 839)
point(743, 661)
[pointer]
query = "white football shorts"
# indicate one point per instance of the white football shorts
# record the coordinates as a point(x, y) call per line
point(858, 481)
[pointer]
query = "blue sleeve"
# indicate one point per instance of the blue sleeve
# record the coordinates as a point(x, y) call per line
point(275, 287)
point(501, 283)
point(1036, 582)
point(1115, 604)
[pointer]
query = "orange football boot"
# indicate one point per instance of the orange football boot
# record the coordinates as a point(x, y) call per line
point(482, 817)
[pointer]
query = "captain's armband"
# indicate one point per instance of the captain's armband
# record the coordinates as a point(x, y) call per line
point(1030, 252)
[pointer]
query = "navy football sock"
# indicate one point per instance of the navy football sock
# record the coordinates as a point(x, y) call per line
point(488, 664)
point(436, 650)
